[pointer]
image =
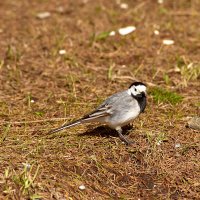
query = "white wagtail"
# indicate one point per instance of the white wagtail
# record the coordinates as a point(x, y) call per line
point(117, 110)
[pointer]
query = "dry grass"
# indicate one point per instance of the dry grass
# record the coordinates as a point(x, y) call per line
point(37, 85)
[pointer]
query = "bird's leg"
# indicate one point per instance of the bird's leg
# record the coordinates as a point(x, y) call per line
point(124, 139)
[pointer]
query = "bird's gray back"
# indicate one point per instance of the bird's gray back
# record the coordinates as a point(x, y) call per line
point(118, 99)
point(114, 98)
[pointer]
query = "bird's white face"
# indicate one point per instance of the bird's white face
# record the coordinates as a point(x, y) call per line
point(137, 90)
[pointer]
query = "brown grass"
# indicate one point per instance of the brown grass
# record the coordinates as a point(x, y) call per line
point(164, 162)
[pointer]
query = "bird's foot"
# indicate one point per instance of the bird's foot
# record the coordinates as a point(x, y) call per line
point(124, 139)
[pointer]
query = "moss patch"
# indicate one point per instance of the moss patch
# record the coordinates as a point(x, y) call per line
point(166, 96)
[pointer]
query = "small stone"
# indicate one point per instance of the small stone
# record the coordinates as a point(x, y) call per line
point(177, 145)
point(82, 187)
point(156, 32)
point(124, 6)
point(160, 1)
point(112, 33)
point(43, 15)
point(159, 142)
point(177, 69)
point(168, 42)
point(126, 30)
point(32, 101)
point(62, 52)
point(194, 123)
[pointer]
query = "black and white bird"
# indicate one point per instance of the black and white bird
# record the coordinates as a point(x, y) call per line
point(117, 110)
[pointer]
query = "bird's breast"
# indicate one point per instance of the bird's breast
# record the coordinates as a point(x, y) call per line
point(123, 117)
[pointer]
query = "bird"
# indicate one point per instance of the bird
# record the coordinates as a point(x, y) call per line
point(117, 111)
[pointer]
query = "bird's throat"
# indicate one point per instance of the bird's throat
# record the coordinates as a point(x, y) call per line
point(141, 99)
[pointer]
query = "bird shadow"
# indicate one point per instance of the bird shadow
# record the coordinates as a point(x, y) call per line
point(104, 131)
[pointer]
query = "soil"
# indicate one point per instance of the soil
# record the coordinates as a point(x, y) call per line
point(42, 87)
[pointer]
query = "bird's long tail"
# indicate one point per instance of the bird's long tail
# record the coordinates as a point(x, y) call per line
point(68, 125)
point(85, 119)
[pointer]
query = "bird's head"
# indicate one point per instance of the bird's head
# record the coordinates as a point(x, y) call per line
point(137, 89)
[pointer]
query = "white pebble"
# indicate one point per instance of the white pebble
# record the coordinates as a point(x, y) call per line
point(126, 30)
point(160, 1)
point(124, 6)
point(62, 52)
point(168, 42)
point(43, 15)
point(177, 145)
point(177, 69)
point(82, 187)
point(112, 33)
point(156, 32)
point(32, 101)
point(159, 142)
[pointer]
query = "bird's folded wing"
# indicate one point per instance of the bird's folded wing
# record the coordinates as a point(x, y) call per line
point(103, 111)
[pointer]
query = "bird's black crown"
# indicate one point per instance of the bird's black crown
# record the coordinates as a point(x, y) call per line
point(136, 84)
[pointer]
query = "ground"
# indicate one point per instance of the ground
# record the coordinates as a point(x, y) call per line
point(41, 88)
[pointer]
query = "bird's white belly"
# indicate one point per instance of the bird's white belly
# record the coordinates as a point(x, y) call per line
point(129, 117)
point(122, 119)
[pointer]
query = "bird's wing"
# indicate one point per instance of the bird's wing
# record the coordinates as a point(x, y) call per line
point(106, 108)
point(101, 111)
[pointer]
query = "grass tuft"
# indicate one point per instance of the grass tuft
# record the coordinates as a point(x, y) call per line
point(165, 96)
point(12, 53)
point(102, 36)
point(23, 180)
point(188, 70)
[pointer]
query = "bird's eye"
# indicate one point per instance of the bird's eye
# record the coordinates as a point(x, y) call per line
point(135, 89)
